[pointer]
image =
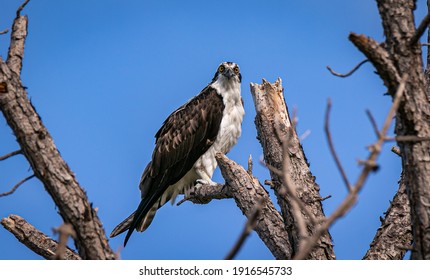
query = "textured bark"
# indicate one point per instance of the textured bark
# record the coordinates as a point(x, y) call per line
point(394, 236)
point(38, 147)
point(34, 239)
point(413, 117)
point(248, 194)
point(274, 126)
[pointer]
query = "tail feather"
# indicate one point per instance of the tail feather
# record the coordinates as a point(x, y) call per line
point(142, 226)
point(123, 226)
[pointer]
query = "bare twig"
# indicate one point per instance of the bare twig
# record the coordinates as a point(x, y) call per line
point(373, 122)
point(64, 231)
point(250, 164)
point(407, 138)
point(351, 198)
point(420, 30)
point(396, 150)
point(18, 12)
point(349, 73)
point(11, 154)
point(249, 226)
point(4, 31)
point(16, 186)
point(331, 146)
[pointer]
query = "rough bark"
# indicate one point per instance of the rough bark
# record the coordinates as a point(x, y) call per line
point(394, 237)
point(248, 194)
point(413, 117)
point(38, 147)
point(34, 239)
point(274, 128)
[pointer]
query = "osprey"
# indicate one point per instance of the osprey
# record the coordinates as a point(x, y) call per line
point(186, 145)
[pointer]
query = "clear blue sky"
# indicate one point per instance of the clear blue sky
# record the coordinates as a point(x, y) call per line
point(104, 75)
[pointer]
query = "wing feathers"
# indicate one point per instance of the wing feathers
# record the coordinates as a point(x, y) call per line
point(185, 135)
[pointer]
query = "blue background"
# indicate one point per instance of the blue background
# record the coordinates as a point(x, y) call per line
point(104, 75)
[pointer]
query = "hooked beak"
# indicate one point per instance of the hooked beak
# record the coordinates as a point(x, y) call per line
point(228, 73)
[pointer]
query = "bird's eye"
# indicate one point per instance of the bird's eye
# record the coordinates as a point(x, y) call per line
point(236, 70)
point(221, 68)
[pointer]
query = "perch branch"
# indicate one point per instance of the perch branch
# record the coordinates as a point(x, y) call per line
point(248, 193)
point(4, 31)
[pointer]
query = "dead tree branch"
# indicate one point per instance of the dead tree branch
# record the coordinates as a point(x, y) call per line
point(249, 226)
point(351, 198)
point(38, 147)
point(34, 239)
point(420, 30)
point(249, 194)
point(17, 186)
point(274, 126)
point(395, 232)
point(413, 118)
point(11, 154)
point(4, 31)
point(203, 194)
point(348, 73)
point(332, 149)
point(64, 231)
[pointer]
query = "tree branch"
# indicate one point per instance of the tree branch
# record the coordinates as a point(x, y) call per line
point(17, 41)
point(380, 59)
point(420, 30)
point(203, 194)
point(351, 198)
point(395, 232)
point(274, 128)
point(249, 226)
point(34, 239)
point(11, 154)
point(332, 149)
point(16, 186)
point(249, 194)
point(348, 73)
point(38, 147)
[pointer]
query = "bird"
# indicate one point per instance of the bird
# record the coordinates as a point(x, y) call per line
point(186, 145)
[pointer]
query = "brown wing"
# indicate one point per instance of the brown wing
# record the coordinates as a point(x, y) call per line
point(185, 135)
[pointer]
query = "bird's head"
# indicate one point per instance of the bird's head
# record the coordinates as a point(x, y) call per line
point(228, 72)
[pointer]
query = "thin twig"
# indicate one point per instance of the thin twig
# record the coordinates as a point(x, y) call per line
point(250, 164)
point(4, 31)
point(396, 150)
point(407, 138)
point(331, 146)
point(293, 197)
point(10, 155)
point(373, 122)
point(16, 186)
point(18, 12)
point(349, 73)
point(420, 30)
point(351, 198)
point(249, 226)
point(64, 231)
